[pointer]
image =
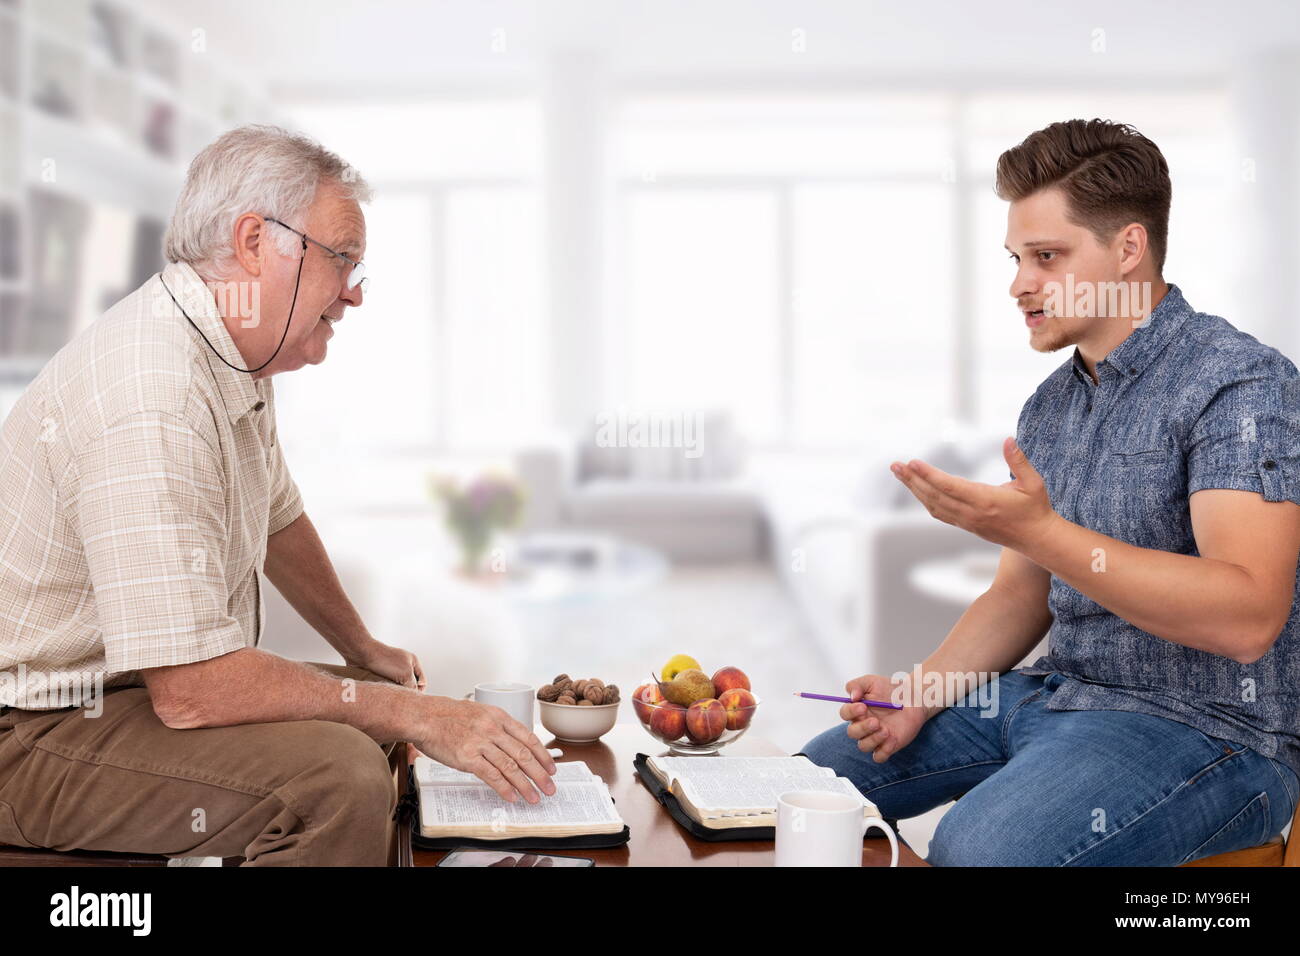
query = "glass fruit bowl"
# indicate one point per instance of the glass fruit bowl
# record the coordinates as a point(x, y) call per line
point(704, 727)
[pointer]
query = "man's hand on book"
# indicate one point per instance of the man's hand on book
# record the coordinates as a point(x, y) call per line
point(486, 741)
point(880, 731)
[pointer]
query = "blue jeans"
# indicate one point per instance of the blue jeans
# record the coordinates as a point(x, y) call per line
point(1069, 787)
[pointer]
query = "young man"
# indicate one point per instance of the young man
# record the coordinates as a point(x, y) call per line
point(1152, 522)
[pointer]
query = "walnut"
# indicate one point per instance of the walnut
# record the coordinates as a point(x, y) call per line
point(584, 703)
point(591, 691)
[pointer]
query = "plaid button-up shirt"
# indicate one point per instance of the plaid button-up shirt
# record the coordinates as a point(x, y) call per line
point(1186, 402)
point(139, 479)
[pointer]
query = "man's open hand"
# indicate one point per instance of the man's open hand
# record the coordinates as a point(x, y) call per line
point(1014, 514)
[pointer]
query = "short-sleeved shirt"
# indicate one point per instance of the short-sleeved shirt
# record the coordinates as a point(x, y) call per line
point(1185, 402)
point(139, 480)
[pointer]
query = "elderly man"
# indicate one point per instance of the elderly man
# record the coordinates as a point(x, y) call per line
point(144, 492)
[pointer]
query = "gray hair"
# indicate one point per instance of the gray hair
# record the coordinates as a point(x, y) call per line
point(261, 169)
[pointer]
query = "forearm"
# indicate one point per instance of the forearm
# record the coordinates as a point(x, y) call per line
point(297, 564)
point(1198, 602)
point(991, 637)
point(251, 686)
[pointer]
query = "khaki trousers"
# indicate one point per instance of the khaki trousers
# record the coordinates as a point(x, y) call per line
point(289, 793)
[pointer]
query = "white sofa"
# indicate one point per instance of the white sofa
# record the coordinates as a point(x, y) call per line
point(693, 509)
point(846, 537)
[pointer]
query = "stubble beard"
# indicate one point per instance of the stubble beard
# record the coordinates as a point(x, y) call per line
point(1048, 339)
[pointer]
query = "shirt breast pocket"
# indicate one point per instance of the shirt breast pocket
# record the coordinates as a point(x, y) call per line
point(1146, 500)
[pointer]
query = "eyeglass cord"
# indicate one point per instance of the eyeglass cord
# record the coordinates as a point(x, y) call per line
point(286, 325)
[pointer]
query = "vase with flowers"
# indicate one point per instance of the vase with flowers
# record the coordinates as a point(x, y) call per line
point(475, 511)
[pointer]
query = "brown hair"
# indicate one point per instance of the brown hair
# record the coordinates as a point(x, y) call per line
point(1110, 173)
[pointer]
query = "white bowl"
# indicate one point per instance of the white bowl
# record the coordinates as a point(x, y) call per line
point(578, 724)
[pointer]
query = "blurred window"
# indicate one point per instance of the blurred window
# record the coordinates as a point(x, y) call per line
point(449, 349)
point(830, 267)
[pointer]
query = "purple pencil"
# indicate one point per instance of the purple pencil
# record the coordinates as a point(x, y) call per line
point(848, 700)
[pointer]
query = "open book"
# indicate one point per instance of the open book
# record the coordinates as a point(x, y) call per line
point(727, 792)
point(454, 803)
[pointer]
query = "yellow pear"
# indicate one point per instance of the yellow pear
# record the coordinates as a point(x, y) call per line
point(687, 687)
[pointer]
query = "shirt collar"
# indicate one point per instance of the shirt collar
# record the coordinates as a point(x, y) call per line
point(239, 392)
point(1144, 343)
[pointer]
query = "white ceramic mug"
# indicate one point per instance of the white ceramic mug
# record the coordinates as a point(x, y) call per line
point(514, 698)
point(815, 828)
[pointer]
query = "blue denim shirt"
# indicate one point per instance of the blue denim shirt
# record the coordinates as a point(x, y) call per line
point(1186, 402)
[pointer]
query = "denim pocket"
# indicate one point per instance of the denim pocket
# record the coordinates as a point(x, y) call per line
point(1221, 746)
point(1289, 779)
point(1248, 828)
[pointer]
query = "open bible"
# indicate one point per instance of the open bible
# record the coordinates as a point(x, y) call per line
point(730, 792)
point(454, 803)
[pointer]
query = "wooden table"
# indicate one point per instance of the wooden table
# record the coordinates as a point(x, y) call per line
point(657, 840)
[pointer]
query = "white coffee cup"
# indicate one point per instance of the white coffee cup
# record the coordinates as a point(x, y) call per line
point(514, 698)
point(815, 828)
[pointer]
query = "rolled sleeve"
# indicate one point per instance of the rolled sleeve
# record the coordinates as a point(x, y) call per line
point(1248, 436)
point(147, 498)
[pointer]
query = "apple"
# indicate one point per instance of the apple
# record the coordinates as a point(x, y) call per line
point(667, 720)
point(739, 705)
point(678, 663)
point(729, 677)
point(643, 700)
point(705, 720)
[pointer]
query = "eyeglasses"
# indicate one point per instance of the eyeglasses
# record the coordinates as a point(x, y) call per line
point(357, 278)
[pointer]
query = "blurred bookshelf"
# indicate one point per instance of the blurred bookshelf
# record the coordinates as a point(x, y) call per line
point(102, 105)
